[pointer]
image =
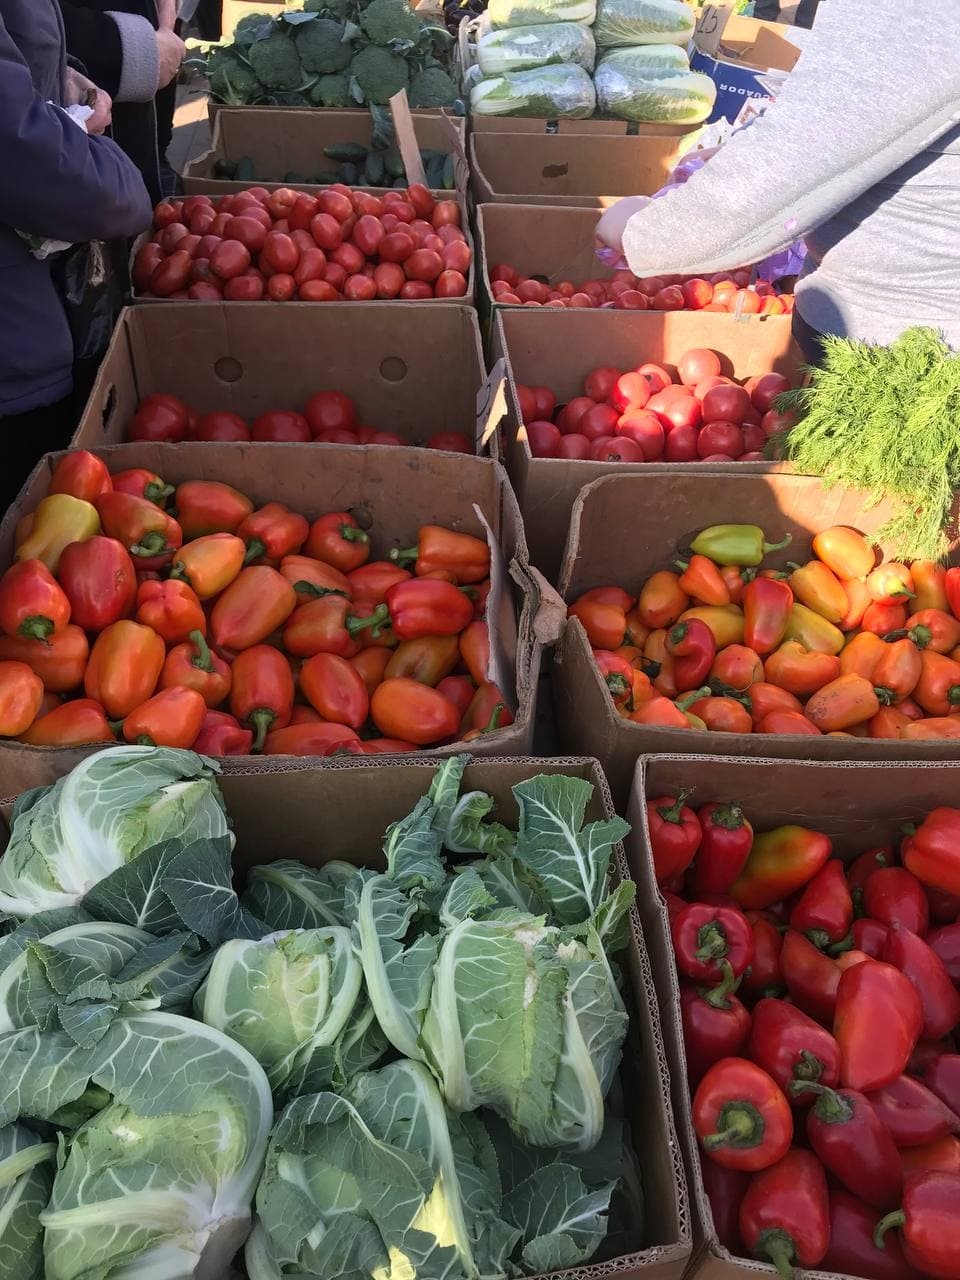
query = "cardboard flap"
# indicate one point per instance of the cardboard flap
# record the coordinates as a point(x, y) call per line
point(501, 620)
point(407, 139)
point(491, 404)
point(551, 617)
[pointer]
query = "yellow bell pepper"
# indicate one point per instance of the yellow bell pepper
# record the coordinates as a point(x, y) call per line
point(724, 620)
point(59, 520)
point(814, 631)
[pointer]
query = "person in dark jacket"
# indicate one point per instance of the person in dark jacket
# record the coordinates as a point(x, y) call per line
point(56, 182)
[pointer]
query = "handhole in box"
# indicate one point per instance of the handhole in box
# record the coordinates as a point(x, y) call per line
point(393, 369)
point(556, 170)
point(228, 369)
point(109, 405)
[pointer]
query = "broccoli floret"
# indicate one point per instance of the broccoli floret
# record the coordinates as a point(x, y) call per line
point(332, 91)
point(249, 28)
point(386, 20)
point(275, 62)
point(379, 73)
point(432, 87)
point(233, 83)
point(321, 46)
point(330, 8)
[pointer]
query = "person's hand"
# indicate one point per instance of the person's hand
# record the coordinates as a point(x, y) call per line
point(81, 92)
point(613, 223)
point(170, 48)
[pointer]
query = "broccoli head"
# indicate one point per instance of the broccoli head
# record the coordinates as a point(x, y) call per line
point(321, 46)
point(249, 28)
point(275, 62)
point(332, 91)
point(386, 20)
point(233, 83)
point(379, 73)
point(432, 87)
point(329, 8)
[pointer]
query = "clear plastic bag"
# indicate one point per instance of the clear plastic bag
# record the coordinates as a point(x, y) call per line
point(623, 23)
point(547, 44)
point(547, 92)
point(653, 84)
point(526, 13)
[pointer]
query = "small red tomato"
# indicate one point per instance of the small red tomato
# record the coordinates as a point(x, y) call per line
point(450, 284)
point(646, 430)
point(545, 401)
point(330, 411)
point(281, 424)
point(617, 449)
point(598, 422)
point(326, 231)
point(570, 416)
point(681, 445)
point(632, 300)
point(367, 235)
point(359, 288)
point(318, 291)
point(229, 259)
point(249, 231)
point(172, 275)
point(720, 437)
point(669, 298)
point(726, 404)
point(630, 391)
point(398, 246)
point(696, 365)
point(245, 288)
point(766, 389)
point(312, 265)
point(575, 446)
point(696, 294)
point(656, 375)
point(457, 256)
point(423, 264)
point(222, 426)
point(544, 439)
point(281, 288)
point(600, 383)
point(450, 442)
point(773, 422)
point(160, 418)
point(389, 279)
point(416, 291)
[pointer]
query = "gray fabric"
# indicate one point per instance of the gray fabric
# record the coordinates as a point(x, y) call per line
point(860, 155)
point(140, 70)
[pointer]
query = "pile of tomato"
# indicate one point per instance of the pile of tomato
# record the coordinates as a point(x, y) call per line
point(285, 245)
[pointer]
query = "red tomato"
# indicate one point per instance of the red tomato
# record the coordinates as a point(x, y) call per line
point(281, 288)
point(388, 438)
point(279, 253)
point(754, 438)
point(698, 364)
point(205, 291)
point(172, 275)
point(148, 258)
point(773, 422)
point(171, 235)
point(349, 257)
point(336, 204)
point(340, 436)
point(312, 265)
point(222, 426)
point(651, 284)
point(326, 231)
point(450, 442)
point(318, 291)
point(532, 291)
point(364, 203)
point(575, 446)
point(669, 298)
point(766, 390)
point(632, 300)
point(229, 259)
point(726, 404)
point(720, 437)
point(359, 288)
point(330, 411)
point(248, 231)
point(243, 289)
point(389, 279)
point(630, 391)
point(423, 264)
point(164, 214)
point(219, 225)
point(416, 291)
point(421, 199)
point(501, 272)
point(281, 424)
point(403, 210)
point(723, 291)
point(678, 411)
point(598, 422)
point(201, 223)
point(701, 389)
point(772, 306)
point(546, 402)
point(398, 247)
point(457, 256)
point(568, 420)
point(160, 417)
point(527, 400)
point(656, 375)
point(189, 245)
point(334, 275)
point(600, 383)
point(367, 235)
point(450, 284)
point(696, 293)
point(681, 445)
point(446, 213)
point(745, 301)
point(646, 430)
point(618, 449)
point(544, 439)
point(581, 300)
point(751, 457)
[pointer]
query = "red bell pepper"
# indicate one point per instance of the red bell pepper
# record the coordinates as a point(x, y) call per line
point(143, 484)
point(172, 609)
point(99, 581)
point(334, 688)
point(693, 649)
point(414, 713)
point(194, 665)
point(944, 907)
point(951, 585)
point(60, 662)
point(942, 1077)
point(72, 724)
point(442, 550)
point(423, 607)
point(338, 540)
point(605, 624)
point(785, 1215)
point(913, 1114)
point(852, 1249)
point(487, 712)
point(928, 1224)
point(149, 534)
point(254, 605)
point(261, 691)
point(854, 1145)
point(429, 659)
point(946, 943)
point(32, 603)
point(942, 1156)
point(475, 651)
point(870, 937)
point(863, 867)
point(780, 862)
point(124, 667)
point(319, 739)
point(794, 1049)
point(726, 838)
point(171, 718)
point(932, 852)
point(871, 995)
point(765, 977)
point(223, 735)
point(725, 1190)
point(715, 1025)
point(767, 603)
point(209, 506)
point(371, 582)
point(921, 964)
point(894, 895)
point(610, 595)
point(616, 673)
point(21, 697)
point(81, 474)
point(710, 943)
point(811, 977)
point(741, 1118)
point(272, 533)
point(456, 689)
point(312, 579)
point(824, 911)
point(674, 835)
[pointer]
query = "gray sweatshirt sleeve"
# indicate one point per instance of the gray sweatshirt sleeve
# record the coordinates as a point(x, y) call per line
point(875, 85)
point(140, 69)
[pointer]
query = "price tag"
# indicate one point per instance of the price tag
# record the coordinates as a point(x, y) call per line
point(491, 403)
point(710, 26)
point(407, 138)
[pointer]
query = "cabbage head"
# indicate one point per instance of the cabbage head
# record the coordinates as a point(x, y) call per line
point(290, 895)
point(114, 805)
point(548, 92)
point(26, 1175)
point(521, 48)
point(640, 84)
point(527, 13)
point(624, 23)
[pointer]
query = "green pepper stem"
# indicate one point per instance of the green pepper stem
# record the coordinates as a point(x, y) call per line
point(350, 533)
point(157, 492)
point(179, 571)
point(682, 565)
point(729, 816)
point(777, 546)
point(151, 544)
point(116, 727)
point(202, 659)
point(493, 724)
point(901, 633)
point(806, 1073)
point(740, 1125)
point(404, 555)
point(780, 1249)
point(711, 943)
point(260, 721)
point(36, 627)
point(376, 622)
point(895, 1219)
point(886, 697)
point(718, 997)
point(311, 589)
point(144, 740)
point(834, 948)
point(617, 684)
point(671, 813)
point(695, 695)
point(255, 549)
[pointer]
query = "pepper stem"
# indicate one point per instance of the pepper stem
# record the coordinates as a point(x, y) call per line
point(711, 943)
point(671, 813)
point(740, 1125)
point(719, 997)
point(404, 555)
point(886, 697)
point(618, 685)
point(157, 492)
point(201, 659)
point(777, 546)
point(695, 695)
point(36, 627)
point(780, 1249)
point(900, 634)
point(807, 1073)
point(350, 533)
point(311, 589)
point(895, 1219)
point(144, 740)
point(260, 722)
point(151, 544)
point(255, 549)
point(728, 816)
point(376, 622)
point(493, 724)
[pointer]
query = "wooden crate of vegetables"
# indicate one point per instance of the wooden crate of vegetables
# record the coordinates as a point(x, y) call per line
point(280, 574)
point(818, 992)
point(751, 615)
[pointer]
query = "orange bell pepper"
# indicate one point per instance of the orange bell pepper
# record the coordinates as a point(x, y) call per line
point(891, 581)
point(858, 601)
point(813, 631)
point(32, 603)
point(641, 690)
point(463, 555)
point(21, 693)
point(319, 739)
point(312, 579)
point(49, 702)
point(658, 664)
point(702, 581)
point(414, 713)
point(58, 520)
point(725, 621)
point(882, 617)
point(428, 659)
point(59, 661)
point(325, 626)
point(800, 670)
point(896, 674)
point(172, 609)
point(475, 650)
point(737, 668)
point(889, 722)
point(149, 534)
point(637, 630)
point(171, 718)
point(933, 629)
point(929, 586)
point(664, 712)
point(208, 506)
point(844, 550)
point(124, 667)
point(787, 722)
point(456, 689)
point(765, 698)
point(371, 664)
point(144, 484)
point(487, 712)
point(371, 582)
point(861, 655)
point(938, 689)
point(262, 691)
point(72, 724)
point(819, 588)
point(81, 474)
point(335, 689)
point(910, 709)
point(630, 654)
point(256, 603)
point(387, 746)
point(338, 540)
point(609, 595)
point(605, 624)
point(723, 715)
point(272, 533)
point(209, 564)
point(934, 728)
point(617, 675)
point(843, 703)
point(194, 665)
point(662, 600)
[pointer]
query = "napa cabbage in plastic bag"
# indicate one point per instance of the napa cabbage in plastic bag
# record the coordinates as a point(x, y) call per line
point(531, 13)
point(622, 23)
point(631, 85)
point(547, 44)
point(548, 92)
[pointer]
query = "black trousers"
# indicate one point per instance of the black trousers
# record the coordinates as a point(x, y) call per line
point(807, 339)
point(26, 438)
point(769, 11)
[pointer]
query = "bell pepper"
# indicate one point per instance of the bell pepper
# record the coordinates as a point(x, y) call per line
point(208, 506)
point(889, 722)
point(725, 1190)
point(256, 603)
point(610, 595)
point(423, 608)
point(307, 739)
point(475, 650)
point(661, 602)
point(951, 585)
point(701, 580)
point(124, 667)
point(72, 724)
point(812, 978)
point(171, 718)
point(261, 691)
point(670, 715)
point(463, 555)
point(929, 587)
point(942, 1076)
point(894, 895)
point(921, 964)
point(710, 943)
point(657, 664)
point(21, 693)
point(715, 1025)
point(33, 605)
point(938, 689)
point(605, 624)
point(81, 474)
point(325, 626)
point(693, 649)
point(882, 617)
point(338, 540)
point(637, 630)
point(59, 661)
point(305, 715)
point(741, 1118)
point(793, 1049)
point(813, 631)
point(862, 868)
point(736, 579)
point(413, 712)
point(866, 993)
point(785, 1214)
point(371, 582)
point(194, 665)
point(725, 621)
point(172, 609)
point(819, 588)
point(617, 675)
point(735, 668)
point(334, 688)
point(934, 728)
point(740, 544)
point(428, 659)
point(781, 861)
point(723, 715)
point(223, 735)
point(842, 704)
point(890, 581)
point(674, 834)
point(149, 534)
point(913, 1114)
point(487, 712)
point(928, 1224)
point(946, 943)
point(767, 604)
point(870, 937)
point(858, 601)
point(800, 670)
point(456, 689)
point(143, 484)
point(852, 1250)
point(844, 550)
point(897, 671)
point(99, 581)
point(765, 978)
point(933, 629)
point(272, 533)
point(944, 907)
point(942, 1156)
point(861, 655)
point(854, 1145)
point(58, 520)
point(725, 840)
point(824, 911)
point(210, 564)
point(371, 664)
point(765, 698)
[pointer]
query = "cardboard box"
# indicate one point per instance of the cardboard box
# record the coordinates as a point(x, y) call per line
point(413, 372)
point(279, 140)
point(626, 527)
point(746, 58)
point(214, 108)
point(397, 490)
point(557, 349)
point(590, 172)
point(592, 128)
point(351, 805)
point(857, 805)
